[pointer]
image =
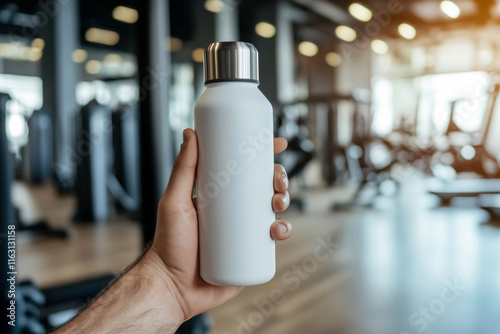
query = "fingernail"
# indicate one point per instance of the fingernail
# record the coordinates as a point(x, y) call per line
point(284, 178)
point(185, 135)
point(283, 228)
point(284, 199)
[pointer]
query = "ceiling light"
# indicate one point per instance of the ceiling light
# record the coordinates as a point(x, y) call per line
point(174, 44)
point(125, 14)
point(93, 66)
point(379, 46)
point(360, 12)
point(450, 8)
point(79, 55)
point(264, 29)
point(38, 43)
point(345, 33)
point(214, 6)
point(333, 59)
point(308, 49)
point(102, 36)
point(198, 55)
point(407, 31)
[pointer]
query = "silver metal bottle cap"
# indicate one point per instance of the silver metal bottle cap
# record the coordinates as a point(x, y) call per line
point(231, 61)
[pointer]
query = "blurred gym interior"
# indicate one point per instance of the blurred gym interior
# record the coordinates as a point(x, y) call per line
point(391, 112)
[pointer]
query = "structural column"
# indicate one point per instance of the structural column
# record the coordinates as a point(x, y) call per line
point(59, 28)
point(285, 53)
point(226, 22)
point(157, 151)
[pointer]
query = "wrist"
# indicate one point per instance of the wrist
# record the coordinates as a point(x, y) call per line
point(164, 285)
point(141, 300)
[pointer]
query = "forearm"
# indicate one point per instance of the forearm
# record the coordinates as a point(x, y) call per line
point(141, 301)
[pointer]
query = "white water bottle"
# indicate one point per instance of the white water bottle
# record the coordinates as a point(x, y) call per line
point(234, 189)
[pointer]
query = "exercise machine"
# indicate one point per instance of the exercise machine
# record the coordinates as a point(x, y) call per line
point(471, 155)
point(372, 156)
point(447, 190)
point(92, 158)
point(40, 146)
point(299, 152)
point(124, 182)
point(491, 204)
point(107, 159)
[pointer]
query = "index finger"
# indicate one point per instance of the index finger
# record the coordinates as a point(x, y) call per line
point(280, 144)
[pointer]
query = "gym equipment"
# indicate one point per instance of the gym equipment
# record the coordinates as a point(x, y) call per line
point(332, 153)
point(491, 204)
point(361, 152)
point(107, 159)
point(29, 304)
point(40, 146)
point(339, 160)
point(92, 157)
point(41, 169)
point(299, 143)
point(334, 162)
point(473, 155)
point(407, 148)
point(446, 191)
point(125, 183)
point(300, 148)
point(60, 303)
point(69, 298)
point(39, 228)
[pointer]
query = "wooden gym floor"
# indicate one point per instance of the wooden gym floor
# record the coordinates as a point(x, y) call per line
point(404, 267)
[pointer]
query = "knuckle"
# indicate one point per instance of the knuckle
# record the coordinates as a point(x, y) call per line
point(279, 168)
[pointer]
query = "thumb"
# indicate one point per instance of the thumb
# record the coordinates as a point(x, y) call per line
point(181, 183)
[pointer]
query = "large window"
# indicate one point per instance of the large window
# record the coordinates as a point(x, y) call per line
point(437, 92)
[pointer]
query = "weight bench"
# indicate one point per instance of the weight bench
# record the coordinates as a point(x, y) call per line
point(448, 190)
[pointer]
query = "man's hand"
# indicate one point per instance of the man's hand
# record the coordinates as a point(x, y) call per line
point(174, 253)
point(164, 288)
